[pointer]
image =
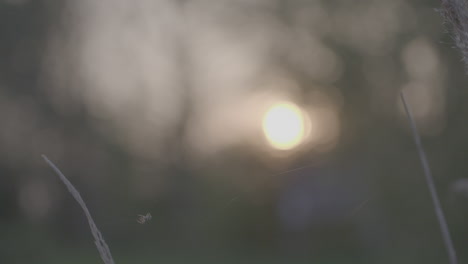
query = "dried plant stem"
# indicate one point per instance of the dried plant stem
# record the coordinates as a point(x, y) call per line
point(430, 184)
point(98, 239)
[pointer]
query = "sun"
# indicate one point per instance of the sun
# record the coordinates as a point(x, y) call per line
point(283, 125)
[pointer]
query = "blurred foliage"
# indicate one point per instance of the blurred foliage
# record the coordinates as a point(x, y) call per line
point(151, 107)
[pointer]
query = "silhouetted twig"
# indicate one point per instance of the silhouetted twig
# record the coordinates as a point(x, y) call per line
point(98, 239)
point(430, 184)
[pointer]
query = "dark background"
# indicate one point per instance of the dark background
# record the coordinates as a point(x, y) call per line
point(152, 106)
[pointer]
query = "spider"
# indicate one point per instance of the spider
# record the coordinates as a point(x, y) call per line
point(141, 219)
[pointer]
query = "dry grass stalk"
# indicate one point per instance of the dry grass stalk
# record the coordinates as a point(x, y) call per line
point(430, 184)
point(98, 239)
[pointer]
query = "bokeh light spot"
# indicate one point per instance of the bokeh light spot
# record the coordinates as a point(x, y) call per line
point(283, 126)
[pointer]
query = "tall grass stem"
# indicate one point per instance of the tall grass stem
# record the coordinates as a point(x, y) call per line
point(430, 184)
point(101, 245)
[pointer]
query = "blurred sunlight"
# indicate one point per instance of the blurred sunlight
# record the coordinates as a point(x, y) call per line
point(174, 107)
point(283, 125)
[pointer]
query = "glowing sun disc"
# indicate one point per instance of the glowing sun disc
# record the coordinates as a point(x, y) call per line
point(283, 126)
